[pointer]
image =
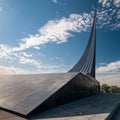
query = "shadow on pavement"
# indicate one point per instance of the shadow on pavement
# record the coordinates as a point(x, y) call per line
point(97, 104)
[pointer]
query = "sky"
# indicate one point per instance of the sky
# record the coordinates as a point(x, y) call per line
point(46, 36)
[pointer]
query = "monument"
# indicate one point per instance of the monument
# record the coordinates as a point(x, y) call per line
point(27, 94)
point(87, 62)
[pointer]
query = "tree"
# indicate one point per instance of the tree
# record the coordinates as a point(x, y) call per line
point(109, 89)
point(114, 89)
point(105, 88)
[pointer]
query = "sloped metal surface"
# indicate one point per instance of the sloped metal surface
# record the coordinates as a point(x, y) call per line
point(78, 87)
point(23, 93)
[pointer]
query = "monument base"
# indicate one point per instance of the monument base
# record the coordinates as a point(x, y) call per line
point(26, 94)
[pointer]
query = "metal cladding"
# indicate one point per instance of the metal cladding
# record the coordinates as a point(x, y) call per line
point(23, 93)
point(86, 64)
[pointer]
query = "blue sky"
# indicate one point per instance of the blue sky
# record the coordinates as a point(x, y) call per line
point(39, 36)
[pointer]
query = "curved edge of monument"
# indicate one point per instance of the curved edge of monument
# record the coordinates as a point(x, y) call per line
point(78, 87)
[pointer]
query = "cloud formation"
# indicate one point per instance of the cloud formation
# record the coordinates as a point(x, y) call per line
point(110, 79)
point(12, 70)
point(109, 73)
point(55, 1)
point(111, 67)
point(108, 17)
point(57, 31)
point(25, 60)
point(1, 9)
point(43, 68)
point(109, 14)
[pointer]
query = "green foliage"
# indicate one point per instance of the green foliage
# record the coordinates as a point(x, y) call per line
point(114, 89)
point(105, 88)
point(109, 89)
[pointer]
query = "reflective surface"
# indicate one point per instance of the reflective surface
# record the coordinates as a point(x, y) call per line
point(78, 87)
point(23, 93)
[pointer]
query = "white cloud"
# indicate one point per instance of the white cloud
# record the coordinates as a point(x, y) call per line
point(24, 60)
point(108, 14)
point(110, 79)
point(57, 31)
point(106, 2)
point(67, 25)
point(109, 74)
point(26, 54)
point(55, 1)
point(5, 52)
point(45, 68)
point(114, 66)
point(49, 68)
point(1, 9)
point(117, 3)
point(103, 2)
point(12, 70)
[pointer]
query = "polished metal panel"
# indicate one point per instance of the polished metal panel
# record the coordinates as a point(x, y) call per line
point(23, 93)
point(86, 64)
point(78, 87)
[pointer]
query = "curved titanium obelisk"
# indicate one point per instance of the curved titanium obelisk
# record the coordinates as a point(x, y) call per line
point(86, 64)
